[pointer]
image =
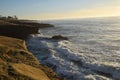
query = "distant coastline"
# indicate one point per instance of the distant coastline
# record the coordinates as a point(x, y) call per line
point(20, 28)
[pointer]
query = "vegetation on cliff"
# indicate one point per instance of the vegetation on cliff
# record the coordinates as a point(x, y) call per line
point(17, 63)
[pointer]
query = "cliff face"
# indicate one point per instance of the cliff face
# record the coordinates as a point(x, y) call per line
point(20, 29)
point(16, 63)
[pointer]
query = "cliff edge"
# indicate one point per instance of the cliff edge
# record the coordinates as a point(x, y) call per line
point(17, 63)
point(20, 28)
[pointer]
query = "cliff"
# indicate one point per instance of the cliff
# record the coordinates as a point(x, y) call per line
point(20, 28)
point(17, 63)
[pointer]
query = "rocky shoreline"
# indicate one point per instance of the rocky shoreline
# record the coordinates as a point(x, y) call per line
point(20, 29)
point(16, 62)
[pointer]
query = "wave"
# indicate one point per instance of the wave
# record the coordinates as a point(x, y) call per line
point(66, 59)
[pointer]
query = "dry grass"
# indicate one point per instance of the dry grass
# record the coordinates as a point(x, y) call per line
point(30, 71)
point(12, 43)
point(17, 63)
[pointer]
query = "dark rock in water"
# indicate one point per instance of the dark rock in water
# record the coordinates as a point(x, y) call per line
point(59, 37)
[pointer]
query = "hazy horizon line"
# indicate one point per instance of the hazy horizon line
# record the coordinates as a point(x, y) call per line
point(73, 18)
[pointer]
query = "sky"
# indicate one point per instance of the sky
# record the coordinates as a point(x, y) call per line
point(59, 9)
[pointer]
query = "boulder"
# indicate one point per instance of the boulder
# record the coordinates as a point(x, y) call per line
point(59, 37)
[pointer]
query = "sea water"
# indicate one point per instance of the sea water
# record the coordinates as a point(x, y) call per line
point(91, 53)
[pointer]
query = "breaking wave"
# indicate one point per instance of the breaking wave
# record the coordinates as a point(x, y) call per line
point(68, 62)
point(91, 56)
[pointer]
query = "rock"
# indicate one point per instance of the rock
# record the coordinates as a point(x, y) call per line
point(17, 31)
point(59, 37)
point(20, 29)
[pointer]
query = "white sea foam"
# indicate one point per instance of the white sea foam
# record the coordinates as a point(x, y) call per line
point(63, 57)
point(92, 52)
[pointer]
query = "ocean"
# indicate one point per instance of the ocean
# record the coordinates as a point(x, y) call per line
point(91, 53)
